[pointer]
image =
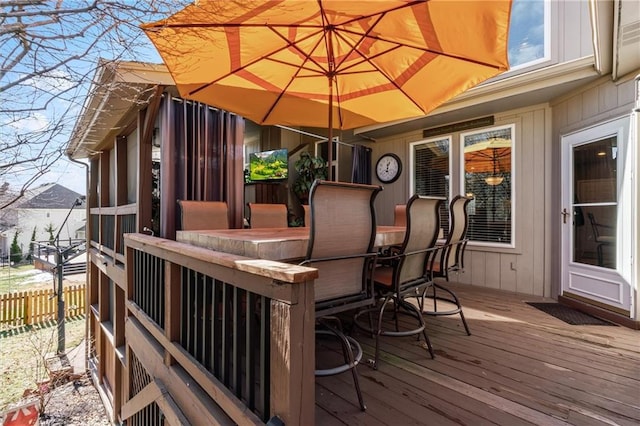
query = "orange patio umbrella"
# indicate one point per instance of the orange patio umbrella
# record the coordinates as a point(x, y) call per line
point(332, 63)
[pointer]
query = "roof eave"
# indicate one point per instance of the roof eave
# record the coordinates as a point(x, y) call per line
point(118, 89)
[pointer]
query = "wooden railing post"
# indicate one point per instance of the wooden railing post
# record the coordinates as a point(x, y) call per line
point(293, 358)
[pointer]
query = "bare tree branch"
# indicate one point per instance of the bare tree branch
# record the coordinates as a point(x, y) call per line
point(50, 51)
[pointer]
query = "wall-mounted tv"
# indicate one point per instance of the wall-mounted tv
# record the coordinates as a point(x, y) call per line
point(269, 165)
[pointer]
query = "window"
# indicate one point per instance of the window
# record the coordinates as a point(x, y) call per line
point(529, 33)
point(430, 176)
point(487, 169)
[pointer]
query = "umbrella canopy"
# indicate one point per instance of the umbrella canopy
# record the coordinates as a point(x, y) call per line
point(491, 156)
point(336, 64)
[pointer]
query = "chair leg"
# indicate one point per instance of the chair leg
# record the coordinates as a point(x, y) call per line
point(379, 331)
point(464, 322)
point(600, 255)
point(426, 339)
point(351, 361)
point(408, 309)
point(452, 298)
point(412, 310)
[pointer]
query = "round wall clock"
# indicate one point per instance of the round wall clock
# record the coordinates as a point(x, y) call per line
point(388, 168)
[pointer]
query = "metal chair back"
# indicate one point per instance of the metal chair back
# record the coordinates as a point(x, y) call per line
point(423, 226)
point(263, 215)
point(453, 255)
point(400, 215)
point(342, 234)
point(196, 215)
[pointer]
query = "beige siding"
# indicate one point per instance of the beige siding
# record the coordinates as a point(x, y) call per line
point(524, 268)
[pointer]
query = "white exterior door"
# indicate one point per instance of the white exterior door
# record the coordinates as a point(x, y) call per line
point(597, 212)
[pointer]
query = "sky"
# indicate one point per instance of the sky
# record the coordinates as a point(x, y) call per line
point(526, 43)
point(54, 99)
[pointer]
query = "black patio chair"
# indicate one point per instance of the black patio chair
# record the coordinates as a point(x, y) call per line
point(404, 272)
point(342, 234)
point(196, 215)
point(450, 258)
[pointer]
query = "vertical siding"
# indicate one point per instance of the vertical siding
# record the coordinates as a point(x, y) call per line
point(574, 29)
point(522, 269)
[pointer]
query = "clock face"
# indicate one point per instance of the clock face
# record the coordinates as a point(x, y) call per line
point(388, 168)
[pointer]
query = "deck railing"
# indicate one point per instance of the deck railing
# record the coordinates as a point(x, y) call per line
point(45, 255)
point(108, 225)
point(33, 307)
point(209, 326)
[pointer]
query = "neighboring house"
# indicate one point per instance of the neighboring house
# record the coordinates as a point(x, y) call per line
point(48, 204)
point(560, 131)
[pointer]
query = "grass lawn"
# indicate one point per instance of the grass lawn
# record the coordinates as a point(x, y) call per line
point(23, 277)
point(22, 350)
point(21, 356)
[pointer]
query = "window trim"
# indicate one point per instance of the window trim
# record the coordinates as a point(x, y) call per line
point(513, 178)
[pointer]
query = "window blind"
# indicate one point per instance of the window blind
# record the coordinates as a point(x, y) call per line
point(431, 174)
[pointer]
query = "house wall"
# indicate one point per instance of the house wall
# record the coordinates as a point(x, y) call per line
point(41, 218)
point(590, 105)
point(525, 267)
point(573, 30)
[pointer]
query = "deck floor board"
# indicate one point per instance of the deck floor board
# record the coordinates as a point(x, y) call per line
point(520, 366)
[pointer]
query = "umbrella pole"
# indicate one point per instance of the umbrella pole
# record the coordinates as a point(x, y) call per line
point(330, 137)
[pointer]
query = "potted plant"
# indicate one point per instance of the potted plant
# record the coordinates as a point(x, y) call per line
point(309, 169)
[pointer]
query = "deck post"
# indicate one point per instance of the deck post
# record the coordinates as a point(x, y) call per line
point(293, 358)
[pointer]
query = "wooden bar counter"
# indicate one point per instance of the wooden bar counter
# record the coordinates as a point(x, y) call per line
point(272, 243)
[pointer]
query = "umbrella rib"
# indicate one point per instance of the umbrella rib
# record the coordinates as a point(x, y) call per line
point(359, 42)
point(300, 68)
point(391, 80)
point(424, 49)
point(266, 57)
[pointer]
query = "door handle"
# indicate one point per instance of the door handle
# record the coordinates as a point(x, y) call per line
point(564, 214)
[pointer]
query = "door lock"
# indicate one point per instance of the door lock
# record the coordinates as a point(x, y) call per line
point(564, 214)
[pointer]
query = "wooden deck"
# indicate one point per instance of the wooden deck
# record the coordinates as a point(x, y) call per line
point(519, 366)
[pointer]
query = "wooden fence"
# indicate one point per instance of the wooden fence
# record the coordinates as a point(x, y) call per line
point(37, 306)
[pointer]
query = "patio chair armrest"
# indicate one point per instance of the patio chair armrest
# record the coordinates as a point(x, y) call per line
point(444, 249)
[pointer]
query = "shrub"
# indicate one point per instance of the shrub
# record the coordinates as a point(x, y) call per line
point(16, 251)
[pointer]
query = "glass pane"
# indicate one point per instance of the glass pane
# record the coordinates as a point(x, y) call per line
point(594, 182)
point(594, 171)
point(594, 235)
point(431, 173)
point(526, 32)
point(487, 171)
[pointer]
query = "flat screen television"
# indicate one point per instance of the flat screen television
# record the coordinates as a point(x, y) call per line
point(269, 165)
